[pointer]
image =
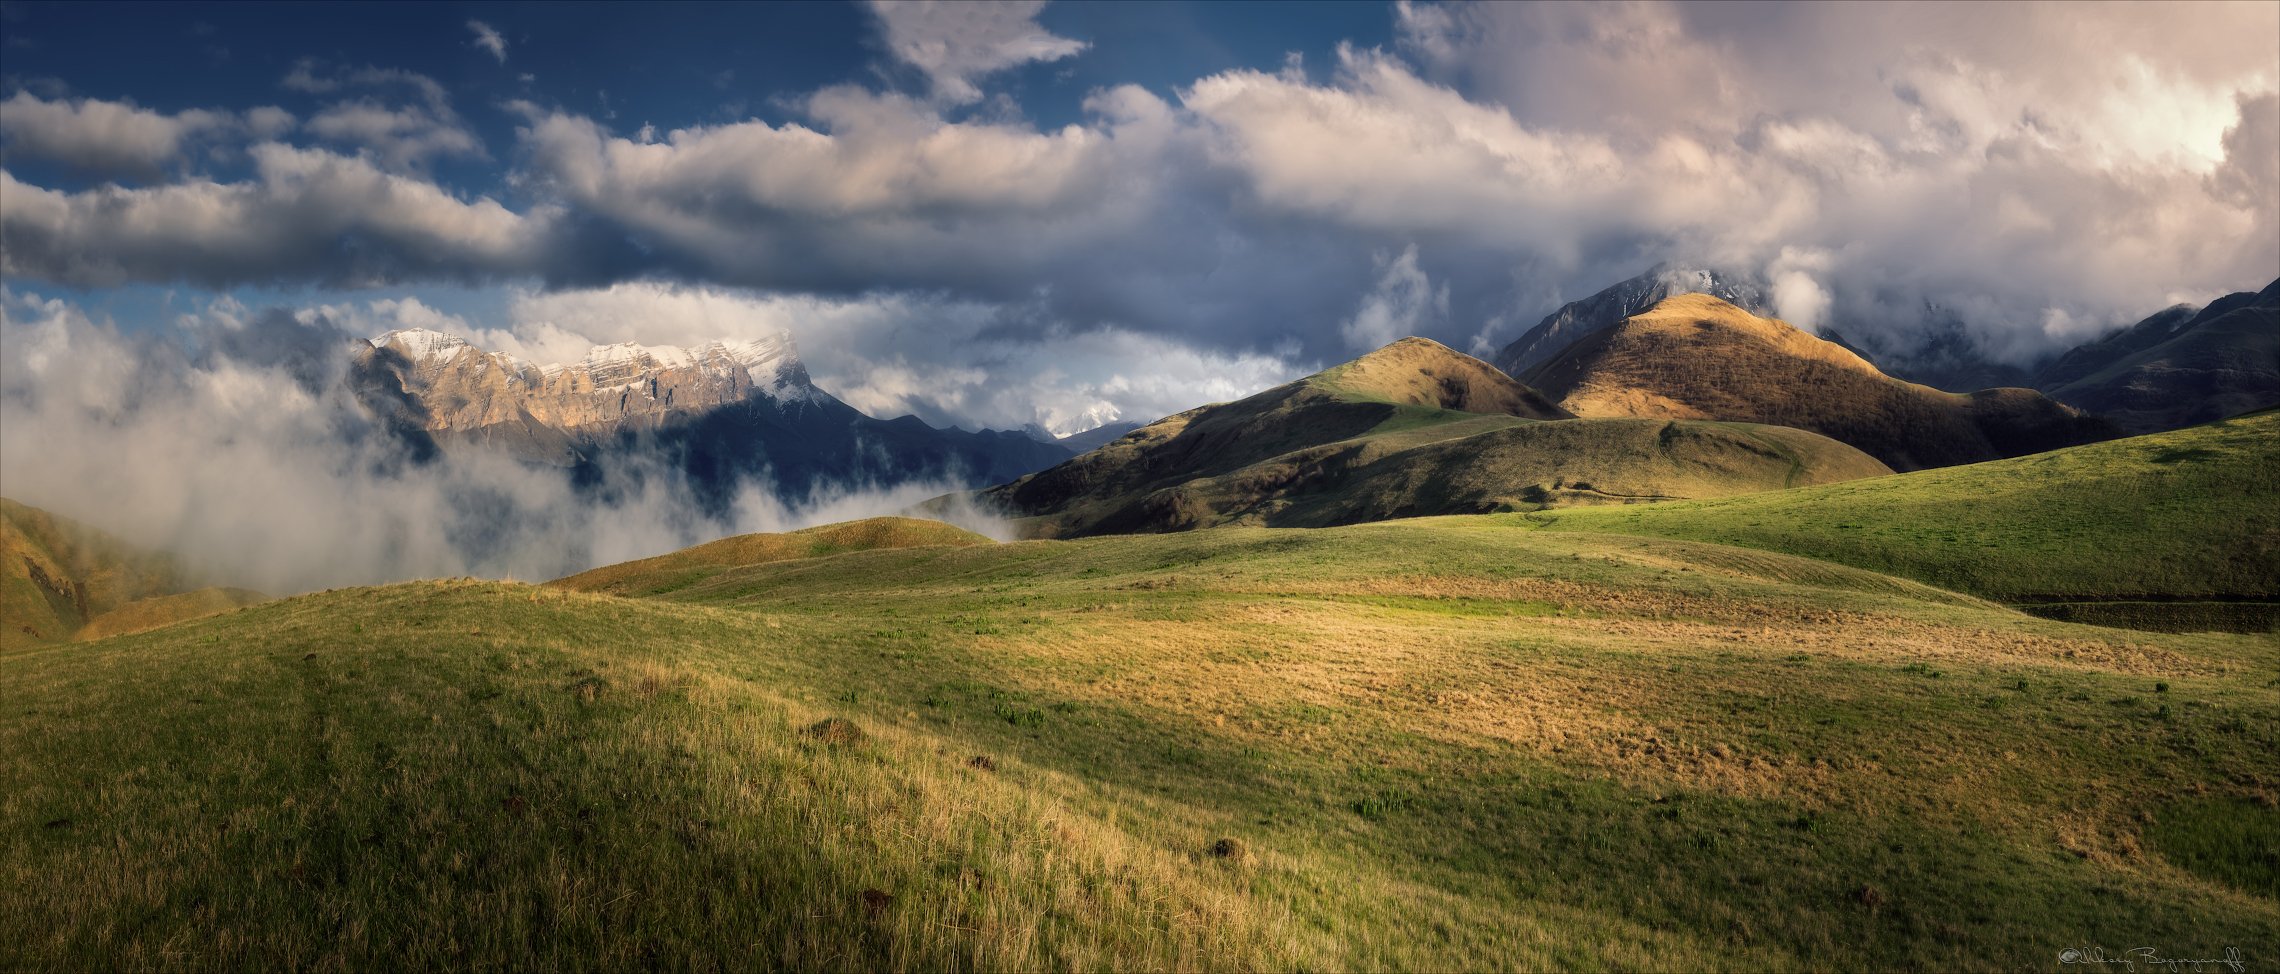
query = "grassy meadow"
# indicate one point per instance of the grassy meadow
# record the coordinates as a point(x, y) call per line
point(1454, 743)
point(2178, 519)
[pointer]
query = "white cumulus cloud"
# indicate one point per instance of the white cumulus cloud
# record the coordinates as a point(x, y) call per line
point(956, 44)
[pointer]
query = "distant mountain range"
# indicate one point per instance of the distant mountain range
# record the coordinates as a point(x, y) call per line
point(2181, 366)
point(724, 413)
point(1411, 429)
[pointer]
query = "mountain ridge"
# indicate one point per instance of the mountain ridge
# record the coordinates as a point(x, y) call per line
point(61, 580)
point(1608, 307)
point(724, 413)
point(1410, 429)
point(1695, 356)
point(2178, 367)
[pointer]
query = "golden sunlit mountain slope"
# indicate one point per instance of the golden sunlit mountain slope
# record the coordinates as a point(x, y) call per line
point(1693, 356)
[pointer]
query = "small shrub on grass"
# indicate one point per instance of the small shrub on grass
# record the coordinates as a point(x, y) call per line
point(1019, 716)
point(835, 731)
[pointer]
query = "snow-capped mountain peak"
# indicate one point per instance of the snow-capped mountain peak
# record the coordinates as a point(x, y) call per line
point(465, 387)
point(420, 344)
point(769, 364)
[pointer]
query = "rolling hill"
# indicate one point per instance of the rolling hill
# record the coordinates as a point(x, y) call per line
point(1693, 356)
point(60, 579)
point(680, 569)
point(2179, 367)
point(1449, 744)
point(1411, 429)
point(2173, 529)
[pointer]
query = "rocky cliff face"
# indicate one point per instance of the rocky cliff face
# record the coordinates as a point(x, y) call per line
point(472, 395)
point(723, 413)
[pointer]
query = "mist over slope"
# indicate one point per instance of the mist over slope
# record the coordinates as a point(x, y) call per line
point(60, 580)
point(267, 453)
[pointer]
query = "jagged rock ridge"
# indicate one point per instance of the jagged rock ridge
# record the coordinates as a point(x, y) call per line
point(724, 413)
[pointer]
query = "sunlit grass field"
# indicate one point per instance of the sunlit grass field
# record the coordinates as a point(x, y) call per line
point(1460, 743)
point(2187, 515)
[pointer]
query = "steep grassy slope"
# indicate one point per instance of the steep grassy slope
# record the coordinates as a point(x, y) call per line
point(1449, 745)
point(57, 576)
point(1692, 356)
point(1413, 428)
point(1606, 309)
point(2190, 515)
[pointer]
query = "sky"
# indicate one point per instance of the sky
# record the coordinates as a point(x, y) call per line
point(1002, 214)
point(998, 215)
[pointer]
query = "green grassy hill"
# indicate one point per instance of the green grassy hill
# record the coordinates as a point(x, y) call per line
point(1410, 429)
point(58, 576)
point(1446, 744)
point(2186, 516)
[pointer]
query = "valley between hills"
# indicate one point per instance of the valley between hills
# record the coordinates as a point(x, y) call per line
point(1696, 642)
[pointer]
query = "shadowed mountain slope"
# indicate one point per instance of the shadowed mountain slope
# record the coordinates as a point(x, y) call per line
point(1413, 428)
point(2179, 367)
point(1693, 356)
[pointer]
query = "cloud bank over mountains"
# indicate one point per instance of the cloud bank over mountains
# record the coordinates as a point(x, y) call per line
point(233, 443)
point(2043, 173)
